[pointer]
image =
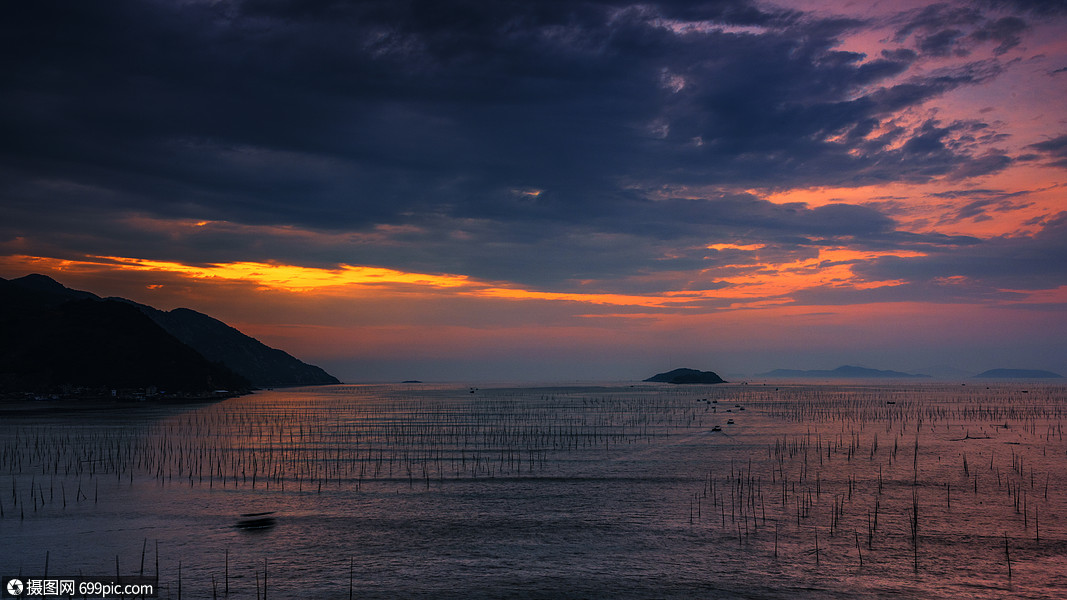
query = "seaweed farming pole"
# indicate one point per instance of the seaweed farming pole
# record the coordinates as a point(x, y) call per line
point(1007, 555)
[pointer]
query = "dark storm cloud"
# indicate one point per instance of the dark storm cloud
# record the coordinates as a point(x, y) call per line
point(540, 130)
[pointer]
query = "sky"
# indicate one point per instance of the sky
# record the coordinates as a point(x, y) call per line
point(554, 191)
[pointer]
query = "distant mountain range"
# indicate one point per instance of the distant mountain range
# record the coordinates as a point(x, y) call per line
point(1017, 374)
point(52, 336)
point(851, 372)
point(686, 376)
point(842, 372)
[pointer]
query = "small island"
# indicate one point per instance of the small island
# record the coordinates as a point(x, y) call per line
point(1017, 374)
point(842, 372)
point(687, 376)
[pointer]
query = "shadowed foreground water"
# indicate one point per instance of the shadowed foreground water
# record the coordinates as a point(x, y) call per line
point(814, 491)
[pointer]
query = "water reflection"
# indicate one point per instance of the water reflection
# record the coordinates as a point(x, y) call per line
point(826, 490)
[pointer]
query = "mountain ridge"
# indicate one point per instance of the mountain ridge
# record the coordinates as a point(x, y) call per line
point(245, 355)
point(214, 341)
point(90, 347)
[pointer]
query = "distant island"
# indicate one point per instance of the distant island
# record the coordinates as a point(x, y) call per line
point(1017, 374)
point(686, 376)
point(56, 340)
point(842, 372)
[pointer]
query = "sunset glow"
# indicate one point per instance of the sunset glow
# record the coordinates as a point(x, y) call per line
point(764, 284)
point(523, 189)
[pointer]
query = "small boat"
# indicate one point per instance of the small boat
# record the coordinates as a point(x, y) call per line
point(256, 521)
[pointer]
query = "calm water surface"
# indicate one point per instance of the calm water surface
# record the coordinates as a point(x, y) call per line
point(618, 491)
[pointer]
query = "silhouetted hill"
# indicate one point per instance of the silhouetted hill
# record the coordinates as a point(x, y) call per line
point(687, 376)
point(95, 344)
point(1017, 374)
point(46, 290)
point(210, 338)
point(842, 372)
point(262, 365)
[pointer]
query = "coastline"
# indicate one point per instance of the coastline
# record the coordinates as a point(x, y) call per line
point(32, 403)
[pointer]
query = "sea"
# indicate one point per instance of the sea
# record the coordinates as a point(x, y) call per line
point(775, 489)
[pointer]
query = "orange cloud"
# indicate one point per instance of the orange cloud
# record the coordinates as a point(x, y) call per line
point(744, 247)
point(294, 278)
point(753, 284)
point(921, 208)
point(765, 283)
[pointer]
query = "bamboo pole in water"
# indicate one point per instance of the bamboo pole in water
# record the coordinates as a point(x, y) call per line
point(1007, 555)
